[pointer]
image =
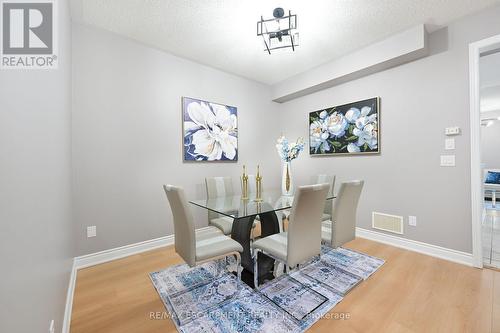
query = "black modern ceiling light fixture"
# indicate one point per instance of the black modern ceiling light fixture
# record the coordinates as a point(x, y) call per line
point(279, 32)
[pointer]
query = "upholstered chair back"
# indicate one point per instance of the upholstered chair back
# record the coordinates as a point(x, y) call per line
point(344, 212)
point(185, 241)
point(325, 179)
point(218, 187)
point(304, 230)
point(328, 179)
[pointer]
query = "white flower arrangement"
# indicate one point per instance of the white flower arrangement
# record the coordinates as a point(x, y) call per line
point(289, 151)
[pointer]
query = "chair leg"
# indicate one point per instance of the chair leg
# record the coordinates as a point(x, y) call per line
point(238, 265)
point(256, 269)
point(278, 268)
point(251, 247)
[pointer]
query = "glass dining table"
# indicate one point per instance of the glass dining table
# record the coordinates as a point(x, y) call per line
point(244, 212)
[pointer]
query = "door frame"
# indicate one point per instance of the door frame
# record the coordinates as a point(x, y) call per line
point(476, 176)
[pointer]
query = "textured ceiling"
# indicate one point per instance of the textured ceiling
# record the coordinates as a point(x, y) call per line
point(222, 33)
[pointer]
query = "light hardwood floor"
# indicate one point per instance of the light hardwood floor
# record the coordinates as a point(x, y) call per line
point(410, 293)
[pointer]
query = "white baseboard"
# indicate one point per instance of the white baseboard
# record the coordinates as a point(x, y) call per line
point(416, 246)
point(69, 299)
point(122, 252)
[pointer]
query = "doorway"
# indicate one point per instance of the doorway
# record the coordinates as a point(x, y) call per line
point(489, 100)
point(484, 66)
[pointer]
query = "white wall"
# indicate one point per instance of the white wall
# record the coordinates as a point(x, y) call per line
point(35, 198)
point(127, 136)
point(418, 100)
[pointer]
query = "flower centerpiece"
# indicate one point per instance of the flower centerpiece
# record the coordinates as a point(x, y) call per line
point(288, 152)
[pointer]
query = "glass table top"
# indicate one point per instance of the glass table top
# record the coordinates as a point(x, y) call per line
point(236, 207)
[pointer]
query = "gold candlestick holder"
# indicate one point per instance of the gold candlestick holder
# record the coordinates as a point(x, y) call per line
point(244, 185)
point(258, 207)
point(258, 186)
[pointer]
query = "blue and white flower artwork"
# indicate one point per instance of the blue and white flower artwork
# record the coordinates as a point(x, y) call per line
point(346, 129)
point(210, 131)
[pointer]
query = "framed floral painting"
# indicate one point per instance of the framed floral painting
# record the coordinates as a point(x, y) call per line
point(346, 129)
point(210, 131)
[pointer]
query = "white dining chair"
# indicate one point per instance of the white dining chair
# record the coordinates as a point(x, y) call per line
point(219, 187)
point(302, 241)
point(342, 227)
point(321, 179)
point(200, 245)
point(329, 179)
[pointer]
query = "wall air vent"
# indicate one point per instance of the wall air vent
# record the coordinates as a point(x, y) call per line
point(386, 222)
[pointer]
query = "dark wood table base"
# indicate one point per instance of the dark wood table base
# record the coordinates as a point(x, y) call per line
point(241, 232)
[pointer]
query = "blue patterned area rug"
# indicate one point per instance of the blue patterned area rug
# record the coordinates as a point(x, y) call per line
point(208, 298)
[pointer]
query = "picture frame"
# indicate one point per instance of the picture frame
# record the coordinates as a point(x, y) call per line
point(348, 129)
point(209, 131)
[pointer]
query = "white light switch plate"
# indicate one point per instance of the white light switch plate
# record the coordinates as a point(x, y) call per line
point(449, 144)
point(412, 220)
point(452, 130)
point(91, 231)
point(448, 160)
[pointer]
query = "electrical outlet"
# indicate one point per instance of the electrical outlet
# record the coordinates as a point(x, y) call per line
point(52, 329)
point(412, 220)
point(91, 231)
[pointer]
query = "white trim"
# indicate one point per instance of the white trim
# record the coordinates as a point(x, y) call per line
point(476, 175)
point(416, 246)
point(475, 153)
point(69, 299)
point(122, 252)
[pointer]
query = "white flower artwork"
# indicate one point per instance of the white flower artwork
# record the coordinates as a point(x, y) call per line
point(346, 129)
point(210, 131)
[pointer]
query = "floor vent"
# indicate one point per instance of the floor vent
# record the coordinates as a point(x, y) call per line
point(386, 222)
